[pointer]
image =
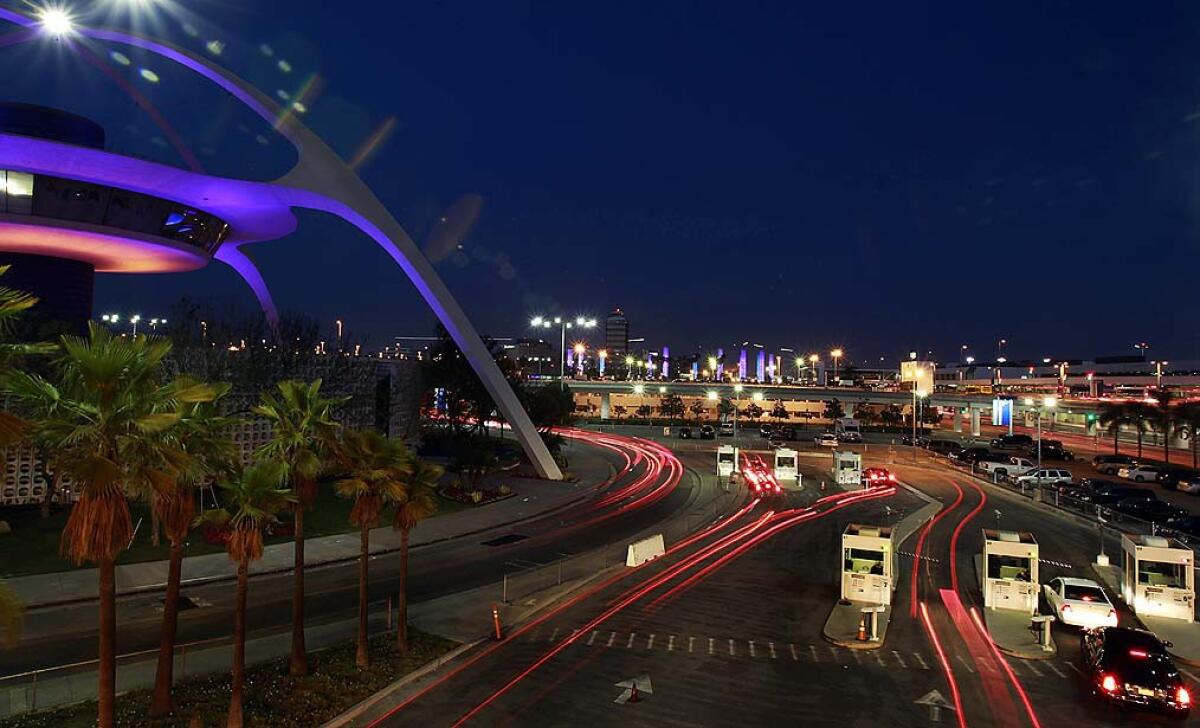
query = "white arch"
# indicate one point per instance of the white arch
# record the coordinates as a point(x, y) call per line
point(320, 180)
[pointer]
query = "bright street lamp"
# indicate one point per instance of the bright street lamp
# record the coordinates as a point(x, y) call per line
point(639, 389)
point(757, 396)
point(836, 354)
point(712, 396)
point(56, 21)
point(545, 322)
point(1046, 403)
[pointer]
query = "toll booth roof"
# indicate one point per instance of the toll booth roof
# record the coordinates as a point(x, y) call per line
point(1146, 540)
point(991, 534)
point(859, 529)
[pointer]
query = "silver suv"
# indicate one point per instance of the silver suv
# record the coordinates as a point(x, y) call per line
point(1045, 476)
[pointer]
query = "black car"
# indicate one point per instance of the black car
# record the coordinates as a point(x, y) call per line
point(918, 441)
point(1110, 464)
point(1186, 526)
point(1110, 494)
point(943, 447)
point(1051, 452)
point(1150, 509)
point(707, 432)
point(784, 433)
point(1170, 476)
point(970, 455)
point(1131, 667)
point(685, 433)
point(764, 430)
point(1005, 442)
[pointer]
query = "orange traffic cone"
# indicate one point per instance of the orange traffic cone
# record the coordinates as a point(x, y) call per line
point(862, 629)
point(633, 693)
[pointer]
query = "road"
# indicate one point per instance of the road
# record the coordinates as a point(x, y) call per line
point(740, 642)
point(648, 487)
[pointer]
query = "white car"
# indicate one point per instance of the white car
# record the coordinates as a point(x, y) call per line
point(827, 439)
point(1045, 476)
point(1139, 473)
point(1080, 603)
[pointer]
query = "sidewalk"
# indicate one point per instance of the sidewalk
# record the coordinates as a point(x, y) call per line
point(532, 498)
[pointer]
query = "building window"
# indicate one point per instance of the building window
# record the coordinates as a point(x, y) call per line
point(17, 197)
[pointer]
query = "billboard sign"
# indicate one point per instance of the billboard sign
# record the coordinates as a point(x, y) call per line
point(1002, 412)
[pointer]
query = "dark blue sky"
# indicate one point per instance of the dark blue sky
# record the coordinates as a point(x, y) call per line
point(801, 174)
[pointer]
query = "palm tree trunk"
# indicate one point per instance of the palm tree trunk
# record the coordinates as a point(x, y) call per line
point(52, 488)
point(299, 663)
point(1194, 447)
point(154, 527)
point(164, 676)
point(361, 657)
point(239, 648)
point(402, 596)
point(107, 667)
point(1139, 442)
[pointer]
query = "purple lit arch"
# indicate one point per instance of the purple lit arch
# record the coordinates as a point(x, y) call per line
point(258, 211)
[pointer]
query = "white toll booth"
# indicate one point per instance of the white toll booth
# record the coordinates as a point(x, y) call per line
point(1157, 577)
point(847, 467)
point(727, 460)
point(786, 467)
point(869, 564)
point(1010, 570)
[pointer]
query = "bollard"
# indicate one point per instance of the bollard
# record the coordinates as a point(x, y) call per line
point(496, 622)
point(504, 590)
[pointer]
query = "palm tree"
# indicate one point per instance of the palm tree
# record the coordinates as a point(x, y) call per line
point(1187, 416)
point(1113, 416)
point(253, 500)
point(1139, 414)
point(303, 435)
point(112, 421)
point(418, 503)
point(1163, 418)
point(204, 436)
point(13, 303)
point(378, 468)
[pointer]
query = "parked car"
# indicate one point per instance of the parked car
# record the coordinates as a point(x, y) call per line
point(1190, 486)
point(1131, 504)
point(1152, 510)
point(1131, 667)
point(826, 439)
point(1110, 464)
point(764, 430)
point(1080, 603)
point(849, 437)
point(943, 447)
point(1044, 476)
point(685, 433)
point(1011, 467)
point(1187, 527)
point(1051, 452)
point(707, 432)
point(1170, 475)
point(1139, 473)
point(969, 455)
point(1110, 497)
point(784, 433)
point(1009, 442)
point(725, 429)
point(919, 440)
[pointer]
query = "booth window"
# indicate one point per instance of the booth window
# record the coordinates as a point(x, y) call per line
point(16, 192)
point(1014, 568)
point(786, 462)
point(863, 561)
point(1162, 573)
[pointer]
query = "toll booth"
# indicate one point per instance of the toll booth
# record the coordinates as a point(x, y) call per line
point(869, 565)
point(786, 467)
point(847, 467)
point(727, 459)
point(1157, 577)
point(1010, 570)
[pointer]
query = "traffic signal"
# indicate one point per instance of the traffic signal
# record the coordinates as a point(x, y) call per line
point(1091, 417)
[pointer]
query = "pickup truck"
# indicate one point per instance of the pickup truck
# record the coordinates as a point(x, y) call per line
point(1012, 468)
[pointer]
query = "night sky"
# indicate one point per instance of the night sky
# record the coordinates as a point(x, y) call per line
point(909, 176)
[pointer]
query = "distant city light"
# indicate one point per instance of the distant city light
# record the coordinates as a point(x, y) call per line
point(56, 21)
point(712, 396)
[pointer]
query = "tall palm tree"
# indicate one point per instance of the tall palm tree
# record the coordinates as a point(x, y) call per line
point(1162, 417)
point(303, 436)
point(1187, 416)
point(378, 468)
point(204, 436)
point(13, 303)
point(253, 499)
point(1113, 416)
point(418, 502)
point(114, 412)
point(1140, 415)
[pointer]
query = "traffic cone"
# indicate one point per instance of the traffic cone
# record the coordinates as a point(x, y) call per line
point(633, 693)
point(862, 629)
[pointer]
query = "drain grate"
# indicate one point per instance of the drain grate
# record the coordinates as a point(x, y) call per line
point(506, 539)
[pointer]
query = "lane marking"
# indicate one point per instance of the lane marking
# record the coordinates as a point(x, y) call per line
point(1033, 668)
point(834, 653)
point(553, 634)
point(592, 638)
point(794, 656)
point(650, 643)
point(879, 658)
point(710, 645)
point(1054, 667)
point(813, 648)
point(1076, 669)
point(611, 638)
point(966, 664)
point(629, 645)
point(536, 632)
point(899, 659)
point(731, 647)
point(924, 665)
point(671, 643)
point(772, 646)
point(691, 641)
point(752, 649)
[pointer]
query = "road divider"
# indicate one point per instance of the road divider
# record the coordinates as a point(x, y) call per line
point(645, 550)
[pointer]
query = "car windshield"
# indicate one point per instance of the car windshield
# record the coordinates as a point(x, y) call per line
point(1084, 593)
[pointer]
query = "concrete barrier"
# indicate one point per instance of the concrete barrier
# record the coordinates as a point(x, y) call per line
point(642, 551)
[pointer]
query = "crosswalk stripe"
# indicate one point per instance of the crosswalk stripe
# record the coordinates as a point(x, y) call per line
point(899, 658)
point(632, 635)
point(691, 640)
point(752, 648)
point(731, 648)
point(710, 645)
point(671, 643)
point(772, 646)
point(553, 634)
point(794, 657)
point(1033, 668)
point(650, 643)
point(611, 638)
point(592, 638)
point(1054, 667)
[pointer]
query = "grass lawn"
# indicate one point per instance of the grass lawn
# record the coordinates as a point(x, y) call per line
point(32, 547)
point(273, 698)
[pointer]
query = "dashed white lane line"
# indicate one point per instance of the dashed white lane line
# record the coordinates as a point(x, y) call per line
point(1033, 668)
point(1055, 670)
point(611, 638)
point(650, 643)
point(710, 645)
point(671, 643)
point(752, 648)
point(833, 652)
point(924, 665)
point(554, 634)
point(966, 664)
point(1076, 669)
point(794, 655)
point(899, 658)
point(691, 641)
point(632, 635)
point(592, 638)
point(813, 649)
point(879, 658)
point(731, 647)
point(772, 646)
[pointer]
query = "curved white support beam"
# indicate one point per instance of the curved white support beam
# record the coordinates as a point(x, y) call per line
point(236, 258)
point(321, 180)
